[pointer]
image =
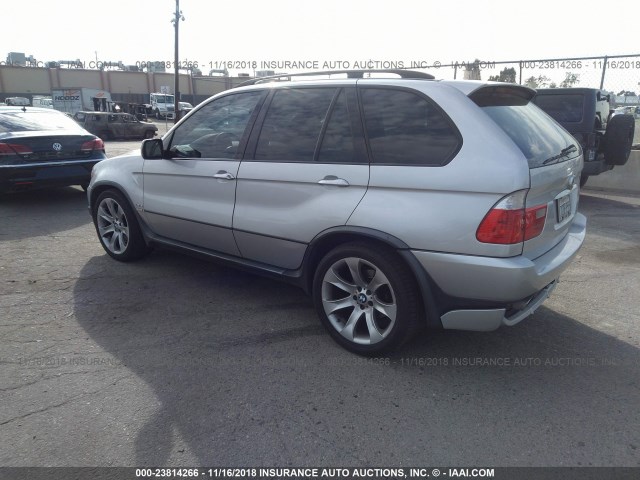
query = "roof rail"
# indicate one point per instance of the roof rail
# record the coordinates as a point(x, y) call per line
point(350, 74)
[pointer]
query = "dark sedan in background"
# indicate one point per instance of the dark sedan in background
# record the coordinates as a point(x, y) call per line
point(40, 147)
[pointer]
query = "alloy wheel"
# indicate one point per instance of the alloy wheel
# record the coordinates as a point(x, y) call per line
point(359, 300)
point(113, 225)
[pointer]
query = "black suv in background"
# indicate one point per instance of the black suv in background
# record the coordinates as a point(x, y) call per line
point(586, 114)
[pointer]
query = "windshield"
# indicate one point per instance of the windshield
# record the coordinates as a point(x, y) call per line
point(535, 133)
point(164, 98)
point(20, 121)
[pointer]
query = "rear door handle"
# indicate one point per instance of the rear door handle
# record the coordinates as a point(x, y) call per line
point(222, 175)
point(333, 180)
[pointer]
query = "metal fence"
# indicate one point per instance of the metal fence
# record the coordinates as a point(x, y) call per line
point(617, 74)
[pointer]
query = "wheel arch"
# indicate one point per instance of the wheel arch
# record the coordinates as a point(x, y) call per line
point(329, 239)
point(97, 189)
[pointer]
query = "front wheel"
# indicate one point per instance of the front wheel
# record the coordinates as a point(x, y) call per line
point(366, 297)
point(118, 228)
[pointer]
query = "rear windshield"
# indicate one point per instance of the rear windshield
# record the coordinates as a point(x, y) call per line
point(541, 139)
point(563, 108)
point(29, 121)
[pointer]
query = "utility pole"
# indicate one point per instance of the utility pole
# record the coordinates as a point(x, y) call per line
point(176, 82)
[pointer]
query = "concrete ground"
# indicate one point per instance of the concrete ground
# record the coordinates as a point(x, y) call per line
point(174, 361)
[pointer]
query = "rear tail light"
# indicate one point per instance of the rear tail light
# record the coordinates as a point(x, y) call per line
point(509, 221)
point(95, 144)
point(13, 149)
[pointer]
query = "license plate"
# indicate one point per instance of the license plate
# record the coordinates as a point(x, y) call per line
point(563, 207)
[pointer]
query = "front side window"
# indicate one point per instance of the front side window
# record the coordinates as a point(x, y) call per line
point(404, 128)
point(216, 129)
point(293, 124)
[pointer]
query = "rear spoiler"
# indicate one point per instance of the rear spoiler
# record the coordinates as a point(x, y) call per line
point(493, 95)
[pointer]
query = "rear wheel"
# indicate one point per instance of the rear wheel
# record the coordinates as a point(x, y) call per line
point(366, 298)
point(618, 139)
point(118, 228)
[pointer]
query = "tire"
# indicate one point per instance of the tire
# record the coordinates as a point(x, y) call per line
point(117, 227)
point(366, 298)
point(106, 135)
point(618, 139)
point(149, 134)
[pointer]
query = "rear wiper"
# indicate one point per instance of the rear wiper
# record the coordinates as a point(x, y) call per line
point(563, 152)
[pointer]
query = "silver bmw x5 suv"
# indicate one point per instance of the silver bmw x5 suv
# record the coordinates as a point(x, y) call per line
point(397, 201)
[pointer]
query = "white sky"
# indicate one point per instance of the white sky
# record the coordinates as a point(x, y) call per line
point(342, 30)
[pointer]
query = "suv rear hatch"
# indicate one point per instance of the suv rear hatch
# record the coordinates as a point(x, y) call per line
point(554, 157)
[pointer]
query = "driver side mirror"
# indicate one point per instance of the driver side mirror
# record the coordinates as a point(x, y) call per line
point(152, 149)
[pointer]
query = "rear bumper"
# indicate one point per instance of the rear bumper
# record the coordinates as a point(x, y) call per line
point(487, 320)
point(517, 283)
point(20, 177)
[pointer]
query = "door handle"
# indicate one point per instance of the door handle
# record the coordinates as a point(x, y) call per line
point(222, 175)
point(333, 180)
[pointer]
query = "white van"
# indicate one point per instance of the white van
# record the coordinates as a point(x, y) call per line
point(17, 101)
point(43, 102)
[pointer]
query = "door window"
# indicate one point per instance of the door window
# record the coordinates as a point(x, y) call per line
point(293, 124)
point(216, 129)
point(338, 141)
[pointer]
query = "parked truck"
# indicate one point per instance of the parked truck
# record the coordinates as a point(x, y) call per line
point(72, 100)
point(162, 105)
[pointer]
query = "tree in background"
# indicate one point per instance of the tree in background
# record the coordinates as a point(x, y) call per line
point(537, 82)
point(507, 75)
point(570, 80)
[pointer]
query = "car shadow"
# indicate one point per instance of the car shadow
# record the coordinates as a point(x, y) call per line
point(41, 212)
point(244, 374)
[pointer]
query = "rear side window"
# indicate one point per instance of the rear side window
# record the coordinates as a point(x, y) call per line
point(293, 124)
point(536, 134)
point(562, 108)
point(404, 128)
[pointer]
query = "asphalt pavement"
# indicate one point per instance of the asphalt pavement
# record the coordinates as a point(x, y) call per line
point(174, 361)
